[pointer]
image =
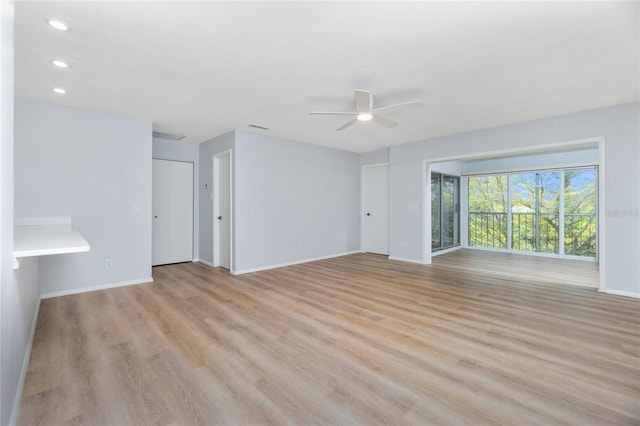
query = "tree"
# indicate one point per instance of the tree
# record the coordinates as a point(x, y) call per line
point(535, 211)
point(488, 211)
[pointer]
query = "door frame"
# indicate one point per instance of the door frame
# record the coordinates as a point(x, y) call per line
point(362, 212)
point(215, 158)
point(599, 141)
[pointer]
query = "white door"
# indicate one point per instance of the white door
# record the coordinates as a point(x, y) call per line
point(376, 209)
point(222, 210)
point(172, 206)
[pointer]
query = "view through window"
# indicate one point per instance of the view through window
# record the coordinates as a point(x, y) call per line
point(445, 211)
point(544, 211)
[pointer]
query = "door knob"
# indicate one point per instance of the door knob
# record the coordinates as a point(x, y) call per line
point(155, 217)
point(219, 217)
point(368, 214)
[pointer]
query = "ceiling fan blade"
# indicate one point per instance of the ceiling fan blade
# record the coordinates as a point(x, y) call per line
point(384, 121)
point(405, 106)
point(334, 113)
point(347, 124)
point(364, 100)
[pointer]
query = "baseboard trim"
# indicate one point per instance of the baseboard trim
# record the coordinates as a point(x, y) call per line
point(15, 410)
point(402, 259)
point(445, 251)
point(295, 262)
point(95, 288)
point(204, 262)
point(621, 293)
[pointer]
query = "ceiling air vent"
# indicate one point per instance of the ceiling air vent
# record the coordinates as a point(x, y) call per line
point(255, 126)
point(167, 136)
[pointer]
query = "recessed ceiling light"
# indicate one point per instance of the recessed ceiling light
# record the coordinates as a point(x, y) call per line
point(60, 64)
point(58, 25)
point(59, 90)
point(364, 116)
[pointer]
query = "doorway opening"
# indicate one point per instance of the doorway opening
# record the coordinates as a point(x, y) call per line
point(580, 165)
point(222, 210)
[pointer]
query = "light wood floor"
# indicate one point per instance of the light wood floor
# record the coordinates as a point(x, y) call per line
point(352, 340)
point(519, 266)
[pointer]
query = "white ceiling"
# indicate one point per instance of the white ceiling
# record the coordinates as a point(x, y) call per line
point(205, 68)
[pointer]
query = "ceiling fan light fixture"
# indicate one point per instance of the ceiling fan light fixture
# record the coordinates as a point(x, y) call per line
point(365, 116)
point(58, 25)
point(60, 64)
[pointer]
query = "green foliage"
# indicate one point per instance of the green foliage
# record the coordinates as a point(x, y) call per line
point(535, 211)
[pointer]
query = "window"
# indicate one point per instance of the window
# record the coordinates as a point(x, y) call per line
point(544, 211)
point(488, 211)
point(580, 207)
point(445, 211)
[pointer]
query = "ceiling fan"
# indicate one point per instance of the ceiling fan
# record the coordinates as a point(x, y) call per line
point(365, 110)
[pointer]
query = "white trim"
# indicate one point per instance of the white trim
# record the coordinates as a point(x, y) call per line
point(542, 149)
point(173, 159)
point(426, 206)
point(204, 262)
point(561, 218)
point(444, 251)
point(509, 212)
point(95, 288)
point(215, 195)
point(620, 293)
point(601, 242)
point(402, 259)
point(15, 410)
point(295, 262)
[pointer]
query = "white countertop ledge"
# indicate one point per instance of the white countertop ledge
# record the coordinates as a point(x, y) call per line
point(46, 236)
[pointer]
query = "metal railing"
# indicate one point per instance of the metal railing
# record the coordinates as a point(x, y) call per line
point(534, 232)
point(580, 234)
point(488, 229)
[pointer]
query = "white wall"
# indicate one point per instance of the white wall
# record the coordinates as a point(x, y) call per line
point(293, 201)
point(550, 159)
point(452, 168)
point(19, 297)
point(95, 168)
point(206, 150)
point(164, 149)
point(619, 125)
point(374, 157)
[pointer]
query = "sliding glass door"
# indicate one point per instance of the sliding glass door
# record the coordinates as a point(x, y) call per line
point(445, 211)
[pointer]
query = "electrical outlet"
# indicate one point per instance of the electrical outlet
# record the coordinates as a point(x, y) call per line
point(301, 246)
point(292, 246)
point(107, 263)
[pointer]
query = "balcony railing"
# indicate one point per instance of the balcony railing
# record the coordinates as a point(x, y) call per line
point(488, 229)
point(536, 233)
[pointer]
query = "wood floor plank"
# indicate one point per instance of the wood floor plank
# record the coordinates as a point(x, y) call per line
point(358, 339)
point(44, 371)
point(538, 268)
